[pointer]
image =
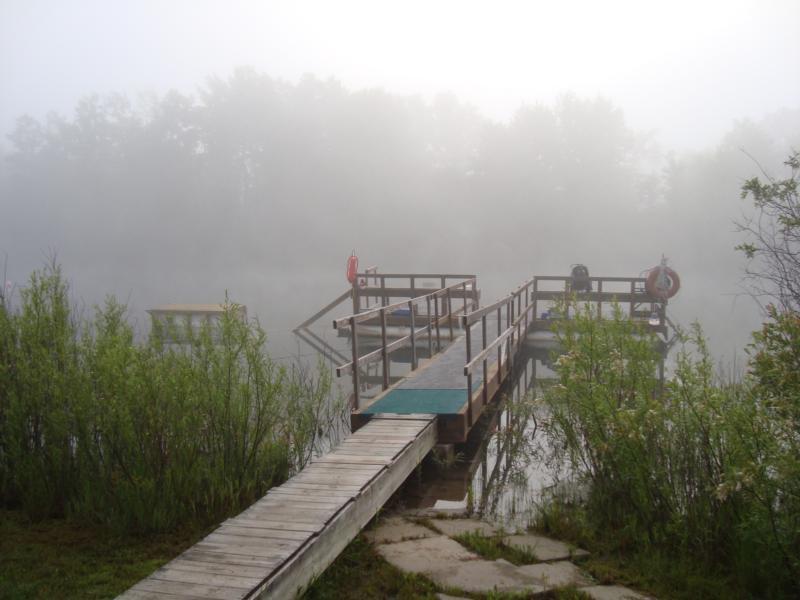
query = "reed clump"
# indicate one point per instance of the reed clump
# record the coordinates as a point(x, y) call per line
point(145, 436)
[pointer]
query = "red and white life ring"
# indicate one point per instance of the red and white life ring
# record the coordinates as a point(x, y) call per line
point(352, 268)
point(662, 286)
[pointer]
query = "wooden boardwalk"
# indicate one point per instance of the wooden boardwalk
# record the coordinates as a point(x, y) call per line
point(285, 540)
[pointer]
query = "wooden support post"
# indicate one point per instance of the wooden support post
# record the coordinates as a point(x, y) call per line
point(384, 299)
point(499, 346)
point(384, 354)
point(464, 289)
point(413, 336)
point(436, 315)
point(450, 313)
point(469, 375)
point(354, 347)
point(430, 326)
point(485, 361)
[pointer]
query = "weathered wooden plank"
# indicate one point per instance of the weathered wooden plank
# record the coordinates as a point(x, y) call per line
point(206, 578)
point(278, 525)
point(204, 557)
point(280, 552)
point(287, 515)
point(353, 460)
point(322, 501)
point(133, 594)
point(262, 532)
point(418, 418)
point(327, 490)
point(294, 575)
point(282, 501)
point(317, 468)
point(183, 564)
point(241, 543)
point(366, 451)
point(333, 478)
point(369, 443)
point(334, 489)
point(189, 589)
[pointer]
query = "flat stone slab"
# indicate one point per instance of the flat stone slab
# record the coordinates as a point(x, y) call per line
point(543, 548)
point(613, 592)
point(397, 529)
point(454, 527)
point(557, 574)
point(441, 596)
point(426, 555)
point(484, 576)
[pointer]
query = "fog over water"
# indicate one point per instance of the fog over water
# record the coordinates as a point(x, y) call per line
point(168, 152)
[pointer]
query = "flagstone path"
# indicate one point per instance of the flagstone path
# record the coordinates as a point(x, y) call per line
point(426, 547)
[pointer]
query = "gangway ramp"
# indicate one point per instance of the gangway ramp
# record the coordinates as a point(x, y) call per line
point(275, 548)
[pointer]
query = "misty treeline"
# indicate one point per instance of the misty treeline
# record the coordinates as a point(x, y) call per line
point(146, 437)
point(263, 187)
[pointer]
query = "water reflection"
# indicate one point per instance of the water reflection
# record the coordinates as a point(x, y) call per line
point(504, 470)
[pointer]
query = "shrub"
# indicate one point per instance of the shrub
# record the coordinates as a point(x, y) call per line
point(145, 436)
point(700, 469)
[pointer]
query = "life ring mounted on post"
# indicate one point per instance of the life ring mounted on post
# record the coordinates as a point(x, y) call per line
point(662, 282)
point(352, 267)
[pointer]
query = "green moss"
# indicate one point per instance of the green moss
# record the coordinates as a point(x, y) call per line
point(493, 548)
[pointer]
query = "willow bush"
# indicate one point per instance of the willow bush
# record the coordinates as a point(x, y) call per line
point(146, 436)
point(702, 470)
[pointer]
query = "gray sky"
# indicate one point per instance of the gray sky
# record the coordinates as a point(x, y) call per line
point(683, 69)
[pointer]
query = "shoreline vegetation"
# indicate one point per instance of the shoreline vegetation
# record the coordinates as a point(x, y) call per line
point(141, 447)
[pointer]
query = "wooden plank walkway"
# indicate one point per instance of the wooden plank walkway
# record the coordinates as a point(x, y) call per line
point(284, 541)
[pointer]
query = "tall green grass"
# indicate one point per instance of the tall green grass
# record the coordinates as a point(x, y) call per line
point(706, 472)
point(145, 437)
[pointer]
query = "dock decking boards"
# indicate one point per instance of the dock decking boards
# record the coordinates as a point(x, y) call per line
point(440, 387)
point(287, 538)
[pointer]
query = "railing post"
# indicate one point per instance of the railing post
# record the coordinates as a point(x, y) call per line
point(499, 346)
point(354, 347)
point(384, 354)
point(464, 290)
point(450, 313)
point(469, 375)
point(483, 347)
point(436, 314)
point(413, 336)
point(430, 326)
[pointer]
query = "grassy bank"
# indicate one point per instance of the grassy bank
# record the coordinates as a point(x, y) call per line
point(54, 558)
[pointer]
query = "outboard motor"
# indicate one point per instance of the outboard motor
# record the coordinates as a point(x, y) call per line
point(580, 279)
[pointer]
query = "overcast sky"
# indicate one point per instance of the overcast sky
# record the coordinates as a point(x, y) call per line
point(683, 69)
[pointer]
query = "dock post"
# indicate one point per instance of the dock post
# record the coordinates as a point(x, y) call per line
point(413, 336)
point(438, 333)
point(468, 327)
point(384, 354)
point(450, 313)
point(430, 326)
point(483, 347)
point(354, 346)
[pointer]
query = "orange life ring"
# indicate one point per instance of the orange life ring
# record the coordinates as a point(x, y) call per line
point(655, 290)
point(352, 268)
